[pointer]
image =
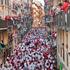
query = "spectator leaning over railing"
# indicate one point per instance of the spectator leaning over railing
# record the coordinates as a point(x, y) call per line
point(65, 7)
point(62, 7)
point(57, 8)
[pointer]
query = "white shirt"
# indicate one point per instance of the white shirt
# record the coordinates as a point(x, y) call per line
point(32, 66)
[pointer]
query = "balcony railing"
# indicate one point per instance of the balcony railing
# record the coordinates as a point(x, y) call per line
point(60, 19)
point(63, 20)
point(3, 24)
point(68, 18)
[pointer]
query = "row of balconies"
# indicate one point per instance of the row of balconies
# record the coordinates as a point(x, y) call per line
point(4, 2)
point(62, 20)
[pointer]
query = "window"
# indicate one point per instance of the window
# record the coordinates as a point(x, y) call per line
point(67, 57)
point(2, 1)
point(67, 46)
point(63, 47)
point(63, 53)
point(6, 2)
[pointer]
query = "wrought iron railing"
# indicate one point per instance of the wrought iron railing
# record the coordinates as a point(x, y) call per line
point(68, 18)
point(63, 20)
point(60, 19)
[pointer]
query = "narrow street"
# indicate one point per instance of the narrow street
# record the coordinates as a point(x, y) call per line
point(34, 34)
point(28, 35)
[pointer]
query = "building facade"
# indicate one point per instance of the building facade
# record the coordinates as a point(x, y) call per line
point(63, 37)
point(4, 11)
point(63, 40)
point(37, 13)
point(4, 8)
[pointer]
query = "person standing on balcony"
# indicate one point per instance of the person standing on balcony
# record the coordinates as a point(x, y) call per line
point(57, 8)
point(65, 7)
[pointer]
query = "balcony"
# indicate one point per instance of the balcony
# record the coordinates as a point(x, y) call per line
point(60, 20)
point(63, 20)
point(3, 25)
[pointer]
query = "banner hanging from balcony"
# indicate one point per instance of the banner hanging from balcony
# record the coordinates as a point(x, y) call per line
point(7, 17)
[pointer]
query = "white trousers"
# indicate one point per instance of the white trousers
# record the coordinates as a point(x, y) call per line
point(66, 18)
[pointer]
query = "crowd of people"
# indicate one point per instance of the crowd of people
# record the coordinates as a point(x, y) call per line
point(33, 53)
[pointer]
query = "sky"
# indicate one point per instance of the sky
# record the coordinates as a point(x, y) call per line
point(42, 2)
